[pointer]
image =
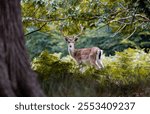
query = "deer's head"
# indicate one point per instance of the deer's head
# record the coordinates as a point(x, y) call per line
point(72, 39)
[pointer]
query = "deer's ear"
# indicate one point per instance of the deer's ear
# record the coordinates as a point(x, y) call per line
point(66, 39)
point(76, 38)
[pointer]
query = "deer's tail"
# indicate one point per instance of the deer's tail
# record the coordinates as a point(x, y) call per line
point(99, 58)
point(99, 54)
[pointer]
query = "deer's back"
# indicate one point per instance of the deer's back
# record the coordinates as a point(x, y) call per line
point(86, 54)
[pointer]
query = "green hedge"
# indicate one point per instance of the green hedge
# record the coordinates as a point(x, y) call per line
point(125, 74)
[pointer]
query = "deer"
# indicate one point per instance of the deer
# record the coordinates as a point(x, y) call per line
point(91, 56)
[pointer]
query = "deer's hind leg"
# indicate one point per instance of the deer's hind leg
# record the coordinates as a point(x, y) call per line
point(100, 63)
point(93, 62)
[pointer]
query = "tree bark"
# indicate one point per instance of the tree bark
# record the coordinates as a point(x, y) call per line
point(16, 75)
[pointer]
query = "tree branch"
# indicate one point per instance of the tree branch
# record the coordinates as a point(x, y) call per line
point(146, 19)
point(35, 30)
point(119, 30)
point(42, 20)
point(131, 33)
point(60, 19)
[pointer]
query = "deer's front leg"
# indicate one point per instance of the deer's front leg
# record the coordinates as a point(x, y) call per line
point(93, 62)
point(80, 65)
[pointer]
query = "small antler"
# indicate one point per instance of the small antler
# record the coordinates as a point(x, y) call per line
point(81, 31)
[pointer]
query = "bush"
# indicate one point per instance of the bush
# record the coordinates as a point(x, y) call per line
point(125, 74)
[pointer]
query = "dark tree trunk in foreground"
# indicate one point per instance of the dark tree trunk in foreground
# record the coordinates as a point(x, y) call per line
point(16, 76)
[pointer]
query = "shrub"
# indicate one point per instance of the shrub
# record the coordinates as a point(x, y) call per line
point(125, 74)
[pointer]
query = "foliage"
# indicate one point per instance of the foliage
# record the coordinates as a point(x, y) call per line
point(39, 41)
point(125, 74)
point(102, 38)
point(113, 25)
point(122, 15)
point(127, 23)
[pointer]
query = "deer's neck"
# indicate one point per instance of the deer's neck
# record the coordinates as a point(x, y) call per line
point(71, 50)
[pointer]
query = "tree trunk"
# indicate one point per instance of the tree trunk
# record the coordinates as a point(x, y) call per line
point(16, 75)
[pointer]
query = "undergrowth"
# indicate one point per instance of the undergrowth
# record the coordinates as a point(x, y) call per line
point(125, 74)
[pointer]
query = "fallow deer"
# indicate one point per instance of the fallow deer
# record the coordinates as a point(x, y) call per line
point(92, 56)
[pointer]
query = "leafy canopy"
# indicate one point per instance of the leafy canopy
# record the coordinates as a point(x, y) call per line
point(125, 16)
